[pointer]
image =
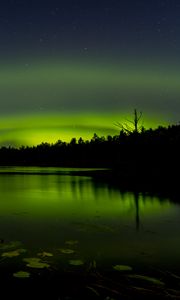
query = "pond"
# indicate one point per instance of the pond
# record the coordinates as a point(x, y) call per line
point(66, 221)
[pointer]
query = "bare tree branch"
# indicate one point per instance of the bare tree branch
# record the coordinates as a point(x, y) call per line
point(136, 127)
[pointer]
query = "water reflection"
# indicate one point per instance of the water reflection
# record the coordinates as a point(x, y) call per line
point(136, 200)
point(45, 209)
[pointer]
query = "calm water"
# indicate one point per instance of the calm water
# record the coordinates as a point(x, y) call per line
point(45, 208)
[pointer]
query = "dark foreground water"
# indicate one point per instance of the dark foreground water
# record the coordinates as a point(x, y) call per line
point(71, 223)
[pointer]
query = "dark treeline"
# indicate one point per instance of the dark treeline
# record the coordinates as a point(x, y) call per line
point(152, 148)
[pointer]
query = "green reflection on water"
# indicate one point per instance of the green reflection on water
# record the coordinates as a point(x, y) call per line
point(60, 195)
point(45, 210)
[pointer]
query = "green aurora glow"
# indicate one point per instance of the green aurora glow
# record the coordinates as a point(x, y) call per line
point(32, 130)
point(46, 102)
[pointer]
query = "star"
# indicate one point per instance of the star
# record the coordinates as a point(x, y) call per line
point(74, 27)
point(53, 13)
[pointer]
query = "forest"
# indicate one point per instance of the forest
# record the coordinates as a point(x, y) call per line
point(151, 148)
point(137, 159)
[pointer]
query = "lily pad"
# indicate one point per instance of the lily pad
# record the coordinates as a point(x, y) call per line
point(45, 254)
point(148, 279)
point(122, 268)
point(13, 253)
point(66, 251)
point(76, 262)
point(36, 263)
point(22, 274)
point(10, 245)
point(71, 242)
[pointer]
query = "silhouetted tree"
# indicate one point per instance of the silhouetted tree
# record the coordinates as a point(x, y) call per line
point(73, 141)
point(134, 125)
point(80, 141)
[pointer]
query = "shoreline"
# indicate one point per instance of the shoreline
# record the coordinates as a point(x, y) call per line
point(162, 182)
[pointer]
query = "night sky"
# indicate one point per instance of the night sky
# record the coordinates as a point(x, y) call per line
point(72, 68)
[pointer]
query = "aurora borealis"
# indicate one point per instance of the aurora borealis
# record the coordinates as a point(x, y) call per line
point(70, 69)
